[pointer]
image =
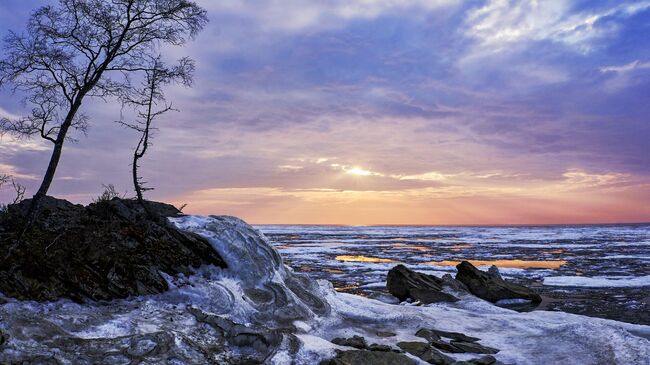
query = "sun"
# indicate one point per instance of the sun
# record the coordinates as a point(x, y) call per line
point(357, 171)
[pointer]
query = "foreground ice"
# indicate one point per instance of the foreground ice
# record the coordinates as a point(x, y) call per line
point(260, 309)
point(598, 281)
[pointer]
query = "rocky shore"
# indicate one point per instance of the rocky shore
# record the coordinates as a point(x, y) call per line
point(228, 298)
point(108, 250)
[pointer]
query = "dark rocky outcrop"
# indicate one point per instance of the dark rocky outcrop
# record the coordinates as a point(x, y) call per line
point(354, 341)
point(365, 357)
point(425, 352)
point(460, 343)
point(405, 284)
point(107, 250)
point(473, 347)
point(491, 287)
point(433, 334)
point(253, 344)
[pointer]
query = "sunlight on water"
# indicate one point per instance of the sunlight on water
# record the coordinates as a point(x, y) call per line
point(358, 258)
point(518, 264)
point(410, 247)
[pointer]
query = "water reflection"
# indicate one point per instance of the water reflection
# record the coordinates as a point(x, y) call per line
point(359, 258)
point(411, 247)
point(516, 264)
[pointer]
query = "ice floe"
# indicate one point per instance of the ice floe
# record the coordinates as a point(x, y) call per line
point(598, 281)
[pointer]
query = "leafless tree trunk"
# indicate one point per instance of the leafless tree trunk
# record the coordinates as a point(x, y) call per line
point(69, 50)
point(150, 103)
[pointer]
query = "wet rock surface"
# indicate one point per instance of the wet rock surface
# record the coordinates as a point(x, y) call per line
point(437, 350)
point(405, 284)
point(107, 250)
point(354, 341)
point(491, 286)
point(364, 357)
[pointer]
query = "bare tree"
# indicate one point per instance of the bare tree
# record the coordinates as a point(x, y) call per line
point(86, 48)
point(150, 103)
point(18, 188)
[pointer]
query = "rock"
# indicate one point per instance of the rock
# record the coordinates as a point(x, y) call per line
point(494, 270)
point(255, 344)
point(354, 341)
point(433, 356)
point(446, 346)
point(404, 284)
point(413, 347)
point(425, 352)
point(449, 281)
point(378, 347)
point(491, 287)
point(3, 338)
point(455, 336)
point(428, 335)
point(107, 250)
point(474, 347)
point(365, 357)
point(385, 334)
point(485, 360)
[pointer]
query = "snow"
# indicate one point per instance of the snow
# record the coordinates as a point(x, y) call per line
point(598, 281)
point(257, 289)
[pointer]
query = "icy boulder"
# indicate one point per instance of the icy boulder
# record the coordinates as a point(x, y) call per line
point(277, 294)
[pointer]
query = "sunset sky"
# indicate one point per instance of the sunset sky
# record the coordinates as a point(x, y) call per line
point(386, 112)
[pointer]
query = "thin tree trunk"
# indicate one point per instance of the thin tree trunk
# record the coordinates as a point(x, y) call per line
point(141, 148)
point(54, 162)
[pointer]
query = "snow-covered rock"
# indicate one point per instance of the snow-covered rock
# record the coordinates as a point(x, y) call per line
point(259, 309)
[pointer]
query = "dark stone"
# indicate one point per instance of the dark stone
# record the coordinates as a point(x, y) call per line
point(404, 284)
point(446, 347)
point(254, 344)
point(474, 347)
point(485, 360)
point(428, 335)
point(455, 336)
point(385, 334)
point(491, 287)
point(108, 250)
point(425, 352)
point(433, 356)
point(414, 347)
point(364, 357)
point(354, 341)
point(378, 347)
point(3, 338)
point(449, 281)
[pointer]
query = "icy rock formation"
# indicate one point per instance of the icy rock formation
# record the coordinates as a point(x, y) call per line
point(491, 286)
point(276, 294)
point(408, 284)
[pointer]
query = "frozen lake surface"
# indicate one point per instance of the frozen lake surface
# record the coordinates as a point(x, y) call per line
point(601, 271)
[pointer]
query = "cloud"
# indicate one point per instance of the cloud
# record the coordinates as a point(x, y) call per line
point(629, 67)
point(300, 15)
point(501, 23)
point(427, 176)
point(7, 115)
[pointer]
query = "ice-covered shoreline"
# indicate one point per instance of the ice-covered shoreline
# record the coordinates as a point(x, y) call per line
point(288, 317)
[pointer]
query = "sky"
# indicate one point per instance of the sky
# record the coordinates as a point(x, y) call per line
point(385, 112)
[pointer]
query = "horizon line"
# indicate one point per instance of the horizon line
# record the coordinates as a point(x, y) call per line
point(646, 223)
